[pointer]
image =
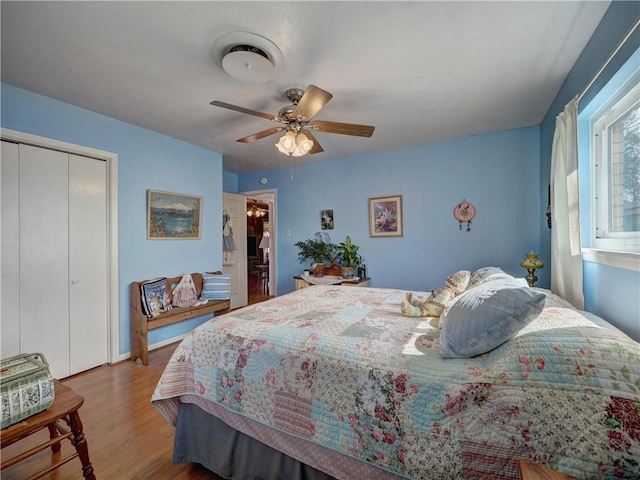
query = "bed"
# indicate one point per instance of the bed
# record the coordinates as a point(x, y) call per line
point(335, 382)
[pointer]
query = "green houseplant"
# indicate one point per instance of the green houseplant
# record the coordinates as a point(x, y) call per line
point(318, 250)
point(347, 252)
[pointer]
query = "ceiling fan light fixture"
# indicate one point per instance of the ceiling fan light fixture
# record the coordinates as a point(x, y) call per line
point(287, 143)
point(294, 143)
point(303, 143)
point(298, 152)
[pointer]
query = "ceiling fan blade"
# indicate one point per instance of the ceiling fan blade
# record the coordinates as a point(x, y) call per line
point(317, 148)
point(342, 128)
point(311, 103)
point(229, 106)
point(259, 135)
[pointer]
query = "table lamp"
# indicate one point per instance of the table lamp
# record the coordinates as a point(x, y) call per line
point(532, 263)
point(264, 244)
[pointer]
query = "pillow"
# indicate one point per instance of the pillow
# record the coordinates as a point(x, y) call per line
point(495, 276)
point(487, 274)
point(458, 281)
point(488, 315)
point(445, 311)
point(216, 286)
point(155, 297)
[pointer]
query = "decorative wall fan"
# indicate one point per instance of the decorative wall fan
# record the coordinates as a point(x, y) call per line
point(297, 122)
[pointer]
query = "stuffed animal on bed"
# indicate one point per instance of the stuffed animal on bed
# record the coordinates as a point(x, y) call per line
point(433, 304)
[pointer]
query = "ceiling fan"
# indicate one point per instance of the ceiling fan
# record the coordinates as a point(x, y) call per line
point(297, 121)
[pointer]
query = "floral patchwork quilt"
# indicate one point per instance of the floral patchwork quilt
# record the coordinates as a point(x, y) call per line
point(341, 367)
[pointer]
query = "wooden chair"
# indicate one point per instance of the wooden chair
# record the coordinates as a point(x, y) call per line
point(264, 277)
point(64, 408)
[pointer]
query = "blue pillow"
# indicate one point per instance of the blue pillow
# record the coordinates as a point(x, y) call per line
point(215, 286)
point(154, 296)
point(488, 315)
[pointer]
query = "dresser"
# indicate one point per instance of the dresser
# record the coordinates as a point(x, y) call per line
point(361, 282)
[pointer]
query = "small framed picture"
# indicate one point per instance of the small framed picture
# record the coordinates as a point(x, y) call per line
point(385, 216)
point(326, 217)
point(173, 216)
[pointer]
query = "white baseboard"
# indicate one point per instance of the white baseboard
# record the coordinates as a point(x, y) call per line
point(155, 346)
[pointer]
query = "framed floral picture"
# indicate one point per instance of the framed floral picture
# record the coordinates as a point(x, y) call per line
point(173, 216)
point(385, 216)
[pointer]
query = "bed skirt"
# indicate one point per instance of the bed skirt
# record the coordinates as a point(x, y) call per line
point(204, 439)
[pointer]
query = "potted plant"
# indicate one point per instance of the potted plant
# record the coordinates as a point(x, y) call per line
point(318, 250)
point(347, 252)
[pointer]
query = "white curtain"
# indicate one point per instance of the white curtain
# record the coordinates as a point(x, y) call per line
point(566, 254)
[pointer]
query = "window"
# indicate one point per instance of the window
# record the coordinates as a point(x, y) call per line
point(615, 130)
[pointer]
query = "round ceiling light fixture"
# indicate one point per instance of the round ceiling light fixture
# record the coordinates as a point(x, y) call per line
point(247, 57)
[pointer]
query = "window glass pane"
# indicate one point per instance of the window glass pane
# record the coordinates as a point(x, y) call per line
point(624, 172)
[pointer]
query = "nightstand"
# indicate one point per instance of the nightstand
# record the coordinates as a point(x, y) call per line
point(361, 282)
point(531, 471)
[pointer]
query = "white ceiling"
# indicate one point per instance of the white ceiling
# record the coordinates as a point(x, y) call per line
point(421, 72)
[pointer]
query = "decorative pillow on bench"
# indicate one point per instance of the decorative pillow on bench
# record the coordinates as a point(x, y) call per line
point(155, 298)
point(216, 286)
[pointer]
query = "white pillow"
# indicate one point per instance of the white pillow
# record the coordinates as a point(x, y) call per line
point(488, 315)
point(487, 274)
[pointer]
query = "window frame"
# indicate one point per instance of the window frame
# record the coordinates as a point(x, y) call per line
point(614, 107)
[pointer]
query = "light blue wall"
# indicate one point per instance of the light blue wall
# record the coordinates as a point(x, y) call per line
point(609, 292)
point(229, 182)
point(146, 160)
point(498, 173)
point(614, 294)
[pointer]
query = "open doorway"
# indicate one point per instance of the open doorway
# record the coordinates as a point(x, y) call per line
point(261, 241)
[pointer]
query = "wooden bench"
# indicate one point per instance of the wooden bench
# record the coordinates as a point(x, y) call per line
point(141, 324)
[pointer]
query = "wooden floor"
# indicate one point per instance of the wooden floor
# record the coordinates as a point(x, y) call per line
point(258, 291)
point(128, 439)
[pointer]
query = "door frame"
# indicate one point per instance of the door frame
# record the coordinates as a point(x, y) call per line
point(270, 196)
point(113, 325)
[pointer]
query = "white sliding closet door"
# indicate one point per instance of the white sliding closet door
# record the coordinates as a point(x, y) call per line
point(54, 297)
point(44, 255)
point(10, 251)
point(88, 319)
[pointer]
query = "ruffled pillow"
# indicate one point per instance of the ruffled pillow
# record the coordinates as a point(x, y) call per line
point(487, 274)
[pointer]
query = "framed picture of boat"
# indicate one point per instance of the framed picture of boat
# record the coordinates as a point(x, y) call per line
point(173, 216)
